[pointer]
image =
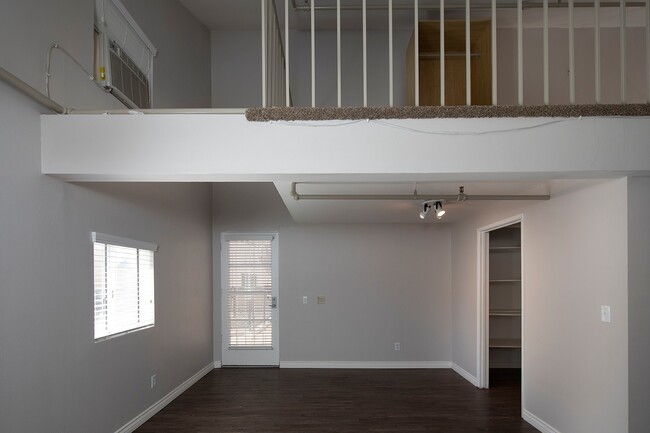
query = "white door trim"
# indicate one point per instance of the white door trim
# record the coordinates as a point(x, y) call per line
point(483, 301)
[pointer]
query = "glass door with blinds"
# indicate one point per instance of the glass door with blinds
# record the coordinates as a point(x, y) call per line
point(249, 303)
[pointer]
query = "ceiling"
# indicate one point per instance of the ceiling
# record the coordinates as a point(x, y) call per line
point(406, 211)
point(245, 14)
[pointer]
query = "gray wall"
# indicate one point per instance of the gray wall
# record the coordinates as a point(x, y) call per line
point(639, 301)
point(54, 376)
point(182, 77)
point(575, 260)
point(236, 60)
point(29, 27)
point(382, 283)
point(559, 66)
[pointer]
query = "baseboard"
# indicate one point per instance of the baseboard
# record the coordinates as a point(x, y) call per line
point(537, 423)
point(465, 374)
point(365, 364)
point(156, 407)
point(217, 364)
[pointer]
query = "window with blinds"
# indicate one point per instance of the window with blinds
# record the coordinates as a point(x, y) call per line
point(249, 279)
point(124, 285)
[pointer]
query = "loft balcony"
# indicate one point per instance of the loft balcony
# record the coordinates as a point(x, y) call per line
point(356, 89)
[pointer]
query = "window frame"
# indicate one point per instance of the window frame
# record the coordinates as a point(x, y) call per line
point(111, 240)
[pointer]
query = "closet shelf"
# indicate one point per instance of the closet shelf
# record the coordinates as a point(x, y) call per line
point(517, 280)
point(505, 312)
point(505, 343)
point(504, 249)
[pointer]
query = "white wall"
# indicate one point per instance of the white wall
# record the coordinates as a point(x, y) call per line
point(575, 260)
point(54, 376)
point(639, 301)
point(382, 283)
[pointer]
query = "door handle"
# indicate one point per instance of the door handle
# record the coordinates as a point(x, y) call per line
point(274, 302)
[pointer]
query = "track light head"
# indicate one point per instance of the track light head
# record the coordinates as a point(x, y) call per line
point(437, 207)
point(426, 207)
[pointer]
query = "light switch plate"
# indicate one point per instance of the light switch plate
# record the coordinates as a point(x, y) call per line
point(305, 300)
point(605, 314)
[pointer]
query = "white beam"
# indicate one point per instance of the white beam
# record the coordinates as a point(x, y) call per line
point(157, 147)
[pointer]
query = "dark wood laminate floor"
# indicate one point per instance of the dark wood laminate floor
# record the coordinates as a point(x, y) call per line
point(342, 401)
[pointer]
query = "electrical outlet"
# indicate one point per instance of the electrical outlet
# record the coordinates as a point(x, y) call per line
point(320, 300)
point(397, 347)
point(305, 300)
point(153, 381)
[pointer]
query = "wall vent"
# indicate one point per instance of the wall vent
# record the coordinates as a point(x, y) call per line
point(127, 78)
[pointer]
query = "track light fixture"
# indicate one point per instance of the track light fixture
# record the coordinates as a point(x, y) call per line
point(436, 205)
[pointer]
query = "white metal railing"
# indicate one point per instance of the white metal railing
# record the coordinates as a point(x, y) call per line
point(275, 58)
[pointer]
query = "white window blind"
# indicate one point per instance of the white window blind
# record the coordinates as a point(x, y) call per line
point(249, 293)
point(124, 285)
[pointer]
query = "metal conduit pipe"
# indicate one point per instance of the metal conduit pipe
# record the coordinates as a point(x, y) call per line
point(460, 197)
point(28, 90)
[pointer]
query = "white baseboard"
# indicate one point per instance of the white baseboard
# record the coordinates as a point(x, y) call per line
point(538, 423)
point(465, 374)
point(217, 364)
point(156, 407)
point(365, 364)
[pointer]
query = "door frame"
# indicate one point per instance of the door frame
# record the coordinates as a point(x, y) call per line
point(275, 279)
point(483, 300)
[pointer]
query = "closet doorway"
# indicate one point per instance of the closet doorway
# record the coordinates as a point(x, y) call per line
point(500, 306)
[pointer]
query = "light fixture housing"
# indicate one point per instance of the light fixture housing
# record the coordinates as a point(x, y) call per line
point(436, 205)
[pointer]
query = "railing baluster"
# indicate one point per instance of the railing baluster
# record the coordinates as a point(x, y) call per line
point(365, 55)
point(313, 54)
point(338, 51)
point(647, 48)
point(416, 37)
point(287, 92)
point(271, 60)
point(520, 53)
point(546, 79)
point(572, 62)
point(623, 53)
point(390, 52)
point(597, 48)
point(263, 4)
point(494, 52)
point(468, 58)
point(442, 53)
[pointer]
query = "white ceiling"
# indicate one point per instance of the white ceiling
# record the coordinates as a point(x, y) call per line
point(407, 211)
point(245, 14)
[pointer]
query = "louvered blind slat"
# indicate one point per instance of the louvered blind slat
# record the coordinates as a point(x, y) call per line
point(249, 293)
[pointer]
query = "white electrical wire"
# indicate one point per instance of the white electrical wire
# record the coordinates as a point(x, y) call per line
point(421, 131)
point(494, 131)
point(49, 62)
